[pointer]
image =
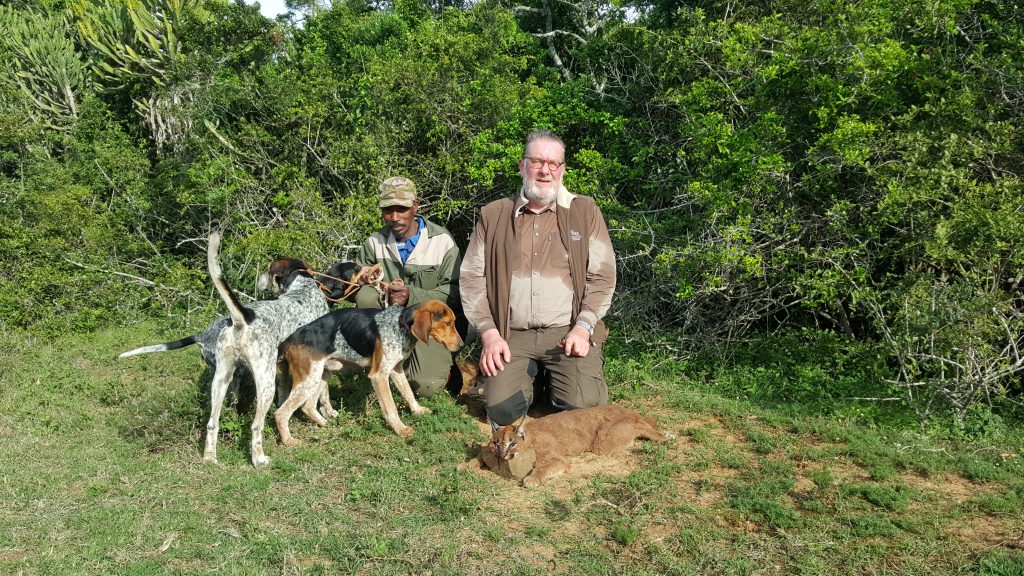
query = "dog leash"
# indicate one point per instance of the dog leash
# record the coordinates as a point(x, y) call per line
point(382, 290)
point(366, 275)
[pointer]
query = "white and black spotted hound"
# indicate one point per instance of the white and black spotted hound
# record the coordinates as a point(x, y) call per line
point(252, 339)
point(335, 283)
point(379, 340)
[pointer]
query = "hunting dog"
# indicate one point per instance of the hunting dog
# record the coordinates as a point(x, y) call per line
point(379, 340)
point(339, 281)
point(252, 339)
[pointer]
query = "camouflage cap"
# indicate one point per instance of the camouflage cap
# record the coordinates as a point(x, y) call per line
point(397, 191)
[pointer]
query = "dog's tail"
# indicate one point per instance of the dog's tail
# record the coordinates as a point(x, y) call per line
point(240, 315)
point(188, 341)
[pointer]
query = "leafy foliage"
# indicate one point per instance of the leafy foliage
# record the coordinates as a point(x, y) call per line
point(841, 177)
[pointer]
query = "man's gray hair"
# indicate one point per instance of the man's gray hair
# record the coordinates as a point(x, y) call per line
point(542, 134)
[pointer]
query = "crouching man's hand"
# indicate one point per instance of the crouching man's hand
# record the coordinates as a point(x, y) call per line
point(495, 353)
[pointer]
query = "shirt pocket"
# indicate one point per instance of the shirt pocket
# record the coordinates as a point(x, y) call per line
point(427, 278)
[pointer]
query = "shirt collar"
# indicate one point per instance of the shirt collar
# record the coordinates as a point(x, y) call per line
point(521, 202)
point(405, 247)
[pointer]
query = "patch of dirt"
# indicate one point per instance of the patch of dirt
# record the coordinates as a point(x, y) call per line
point(14, 555)
point(703, 489)
point(978, 534)
point(803, 485)
point(977, 531)
point(717, 428)
point(947, 487)
point(843, 471)
point(545, 557)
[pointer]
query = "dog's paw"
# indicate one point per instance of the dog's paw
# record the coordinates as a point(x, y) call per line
point(405, 431)
point(210, 458)
point(259, 461)
point(421, 410)
point(290, 441)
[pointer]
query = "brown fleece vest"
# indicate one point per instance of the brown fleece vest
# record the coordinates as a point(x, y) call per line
point(501, 258)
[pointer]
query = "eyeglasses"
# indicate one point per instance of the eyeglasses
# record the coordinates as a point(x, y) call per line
point(538, 162)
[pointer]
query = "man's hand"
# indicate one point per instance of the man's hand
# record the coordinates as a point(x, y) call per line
point(577, 342)
point(495, 353)
point(398, 292)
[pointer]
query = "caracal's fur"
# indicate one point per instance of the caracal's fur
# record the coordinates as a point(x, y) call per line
point(601, 430)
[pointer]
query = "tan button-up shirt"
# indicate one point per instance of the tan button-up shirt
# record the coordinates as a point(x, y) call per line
point(541, 291)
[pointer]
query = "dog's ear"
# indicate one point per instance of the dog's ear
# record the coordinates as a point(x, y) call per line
point(422, 319)
point(282, 267)
point(345, 271)
point(278, 267)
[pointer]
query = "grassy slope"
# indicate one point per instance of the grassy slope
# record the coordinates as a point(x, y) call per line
point(101, 473)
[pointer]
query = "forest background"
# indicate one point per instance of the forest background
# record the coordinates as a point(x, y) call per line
point(830, 188)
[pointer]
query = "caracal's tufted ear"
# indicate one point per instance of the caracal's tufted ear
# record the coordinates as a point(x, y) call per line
point(521, 431)
point(421, 323)
point(494, 425)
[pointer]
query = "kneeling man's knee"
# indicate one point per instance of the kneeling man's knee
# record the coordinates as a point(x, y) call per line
point(585, 402)
point(426, 387)
point(508, 410)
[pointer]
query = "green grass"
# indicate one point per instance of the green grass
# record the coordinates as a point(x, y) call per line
point(101, 473)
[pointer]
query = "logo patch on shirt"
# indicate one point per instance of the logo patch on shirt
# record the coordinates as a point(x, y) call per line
point(575, 236)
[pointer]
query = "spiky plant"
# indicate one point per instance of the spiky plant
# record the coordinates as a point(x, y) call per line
point(135, 44)
point(43, 63)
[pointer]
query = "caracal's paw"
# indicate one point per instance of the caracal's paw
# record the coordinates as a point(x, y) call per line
point(532, 481)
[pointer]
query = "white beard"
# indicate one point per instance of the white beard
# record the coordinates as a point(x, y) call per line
point(535, 193)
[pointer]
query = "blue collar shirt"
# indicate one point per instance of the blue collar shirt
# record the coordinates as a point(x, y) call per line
point(406, 247)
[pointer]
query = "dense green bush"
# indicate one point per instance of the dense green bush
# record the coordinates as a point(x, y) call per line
point(840, 179)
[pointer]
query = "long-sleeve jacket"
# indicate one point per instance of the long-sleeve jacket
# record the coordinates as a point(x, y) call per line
point(432, 269)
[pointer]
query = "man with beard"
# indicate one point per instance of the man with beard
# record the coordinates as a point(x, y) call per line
point(537, 278)
point(419, 261)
